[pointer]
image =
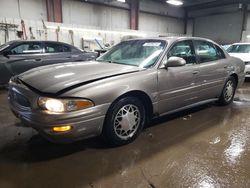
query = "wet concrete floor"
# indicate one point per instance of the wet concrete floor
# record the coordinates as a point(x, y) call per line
point(208, 146)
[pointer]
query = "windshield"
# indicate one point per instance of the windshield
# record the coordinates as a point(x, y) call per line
point(141, 53)
point(242, 48)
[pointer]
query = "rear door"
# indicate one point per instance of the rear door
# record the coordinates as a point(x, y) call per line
point(177, 85)
point(213, 69)
point(79, 55)
point(25, 56)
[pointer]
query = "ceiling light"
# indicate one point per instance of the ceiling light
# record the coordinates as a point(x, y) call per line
point(175, 2)
point(122, 1)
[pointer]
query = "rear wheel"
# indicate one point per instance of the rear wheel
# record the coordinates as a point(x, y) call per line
point(228, 92)
point(124, 121)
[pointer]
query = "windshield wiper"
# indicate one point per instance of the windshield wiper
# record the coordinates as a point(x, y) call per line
point(110, 61)
point(116, 62)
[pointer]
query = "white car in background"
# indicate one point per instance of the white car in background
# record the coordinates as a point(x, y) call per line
point(241, 51)
point(226, 46)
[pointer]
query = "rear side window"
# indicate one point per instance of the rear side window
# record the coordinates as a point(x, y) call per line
point(185, 50)
point(207, 51)
point(27, 48)
point(56, 48)
point(241, 48)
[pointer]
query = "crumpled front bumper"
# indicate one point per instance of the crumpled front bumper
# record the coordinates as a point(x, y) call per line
point(85, 123)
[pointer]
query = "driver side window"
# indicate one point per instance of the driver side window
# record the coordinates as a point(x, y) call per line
point(185, 50)
point(27, 48)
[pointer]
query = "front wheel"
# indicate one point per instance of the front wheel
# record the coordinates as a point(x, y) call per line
point(228, 92)
point(124, 121)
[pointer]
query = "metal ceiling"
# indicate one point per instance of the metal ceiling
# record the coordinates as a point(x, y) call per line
point(199, 4)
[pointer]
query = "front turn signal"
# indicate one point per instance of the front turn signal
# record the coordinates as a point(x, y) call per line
point(62, 128)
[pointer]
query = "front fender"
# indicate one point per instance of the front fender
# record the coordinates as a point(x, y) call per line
point(108, 90)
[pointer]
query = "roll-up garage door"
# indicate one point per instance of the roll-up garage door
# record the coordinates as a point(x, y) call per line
point(222, 28)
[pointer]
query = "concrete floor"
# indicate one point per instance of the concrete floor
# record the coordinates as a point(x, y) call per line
point(208, 146)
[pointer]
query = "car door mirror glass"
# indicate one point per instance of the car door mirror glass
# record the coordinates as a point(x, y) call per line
point(7, 53)
point(175, 62)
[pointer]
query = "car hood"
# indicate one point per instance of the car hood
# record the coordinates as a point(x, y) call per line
point(243, 56)
point(54, 79)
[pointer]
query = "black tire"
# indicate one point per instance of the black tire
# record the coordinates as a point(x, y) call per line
point(224, 100)
point(112, 134)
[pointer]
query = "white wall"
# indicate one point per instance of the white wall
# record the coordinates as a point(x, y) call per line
point(190, 27)
point(98, 16)
point(76, 12)
point(155, 23)
point(79, 16)
point(29, 9)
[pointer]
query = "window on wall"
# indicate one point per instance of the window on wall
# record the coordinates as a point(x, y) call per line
point(185, 50)
point(207, 51)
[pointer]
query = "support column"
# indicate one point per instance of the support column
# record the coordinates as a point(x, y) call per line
point(244, 22)
point(54, 10)
point(186, 22)
point(134, 14)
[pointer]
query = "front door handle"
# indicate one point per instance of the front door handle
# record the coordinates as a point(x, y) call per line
point(33, 60)
point(195, 72)
point(73, 56)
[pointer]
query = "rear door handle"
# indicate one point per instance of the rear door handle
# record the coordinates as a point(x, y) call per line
point(38, 59)
point(229, 68)
point(195, 72)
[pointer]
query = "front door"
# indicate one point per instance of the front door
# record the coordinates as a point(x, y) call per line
point(24, 57)
point(56, 53)
point(177, 85)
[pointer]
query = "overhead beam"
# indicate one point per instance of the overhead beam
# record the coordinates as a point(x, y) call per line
point(189, 4)
point(216, 4)
point(54, 10)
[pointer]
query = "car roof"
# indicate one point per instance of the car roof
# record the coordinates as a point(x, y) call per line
point(172, 39)
point(241, 43)
point(23, 41)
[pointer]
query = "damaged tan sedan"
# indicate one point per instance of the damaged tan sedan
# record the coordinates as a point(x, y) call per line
point(120, 92)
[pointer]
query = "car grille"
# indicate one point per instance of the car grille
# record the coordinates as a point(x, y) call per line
point(19, 99)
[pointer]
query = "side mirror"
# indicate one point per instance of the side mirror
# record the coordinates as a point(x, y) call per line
point(6, 53)
point(175, 62)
